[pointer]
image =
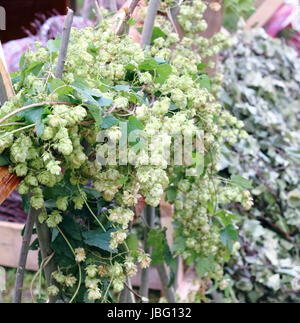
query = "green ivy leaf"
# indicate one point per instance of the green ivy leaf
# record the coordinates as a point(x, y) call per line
point(157, 240)
point(201, 67)
point(31, 68)
point(134, 124)
point(179, 244)
point(34, 116)
point(131, 22)
point(240, 181)
point(70, 227)
point(228, 235)
point(226, 217)
point(204, 265)
point(132, 242)
point(4, 160)
point(171, 194)
point(53, 45)
point(95, 111)
point(149, 64)
point(55, 83)
point(204, 81)
point(100, 239)
point(125, 88)
point(163, 71)
point(109, 121)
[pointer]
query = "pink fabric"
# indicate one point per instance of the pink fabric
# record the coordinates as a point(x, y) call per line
point(286, 16)
point(280, 20)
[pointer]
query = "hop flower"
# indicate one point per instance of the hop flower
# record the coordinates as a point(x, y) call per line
point(144, 260)
point(118, 285)
point(23, 188)
point(91, 270)
point(70, 280)
point(53, 290)
point(121, 216)
point(223, 284)
point(62, 203)
point(65, 146)
point(37, 202)
point(91, 282)
point(130, 267)
point(145, 78)
point(53, 167)
point(59, 277)
point(94, 294)
point(54, 219)
point(21, 170)
point(121, 103)
point(80, 255)
point(103, 271)
point(79, 202)
point(117, 238)
point(48, 133)
point(42, 217)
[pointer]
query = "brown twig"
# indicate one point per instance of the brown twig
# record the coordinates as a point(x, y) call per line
point(128, 13)
point(134, 292)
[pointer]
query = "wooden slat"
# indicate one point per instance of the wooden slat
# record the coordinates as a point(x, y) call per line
point(10, 246)
point(8, 182)
point(263, 13)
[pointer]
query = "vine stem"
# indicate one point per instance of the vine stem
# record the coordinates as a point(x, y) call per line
point(87, 205)
point(64, 44)
point(38, 273)
point(149, 22)
point(150, 217)
point(79, 267)
point(32, 215)
point(34, 105)
point(13, 124)
point(17, 130)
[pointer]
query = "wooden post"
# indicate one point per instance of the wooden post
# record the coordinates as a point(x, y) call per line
point(6, 88)
point(263, 13)
point(214, 25)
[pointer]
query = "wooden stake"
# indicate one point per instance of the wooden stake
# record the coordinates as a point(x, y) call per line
point(17, 298)
point(64, 44)
point(97, 11)
point(149, 23)
point(149, 213)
